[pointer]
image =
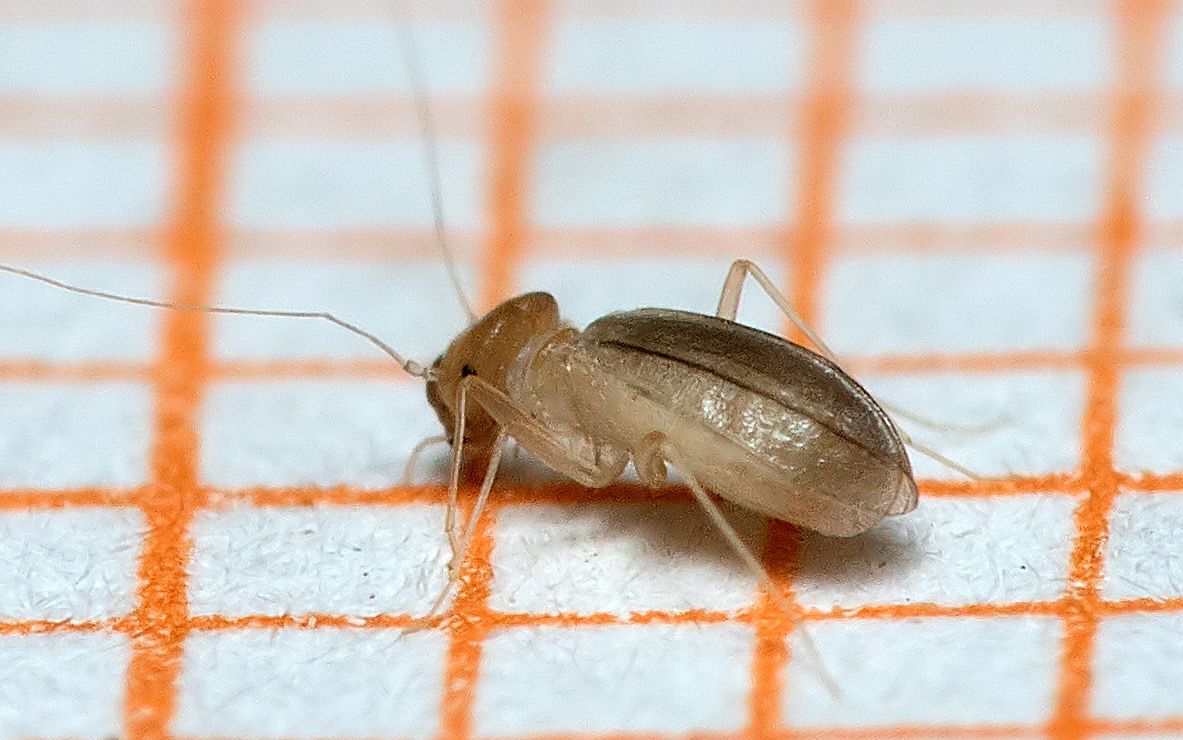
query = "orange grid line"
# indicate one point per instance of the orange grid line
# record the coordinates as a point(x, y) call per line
point(827, 114)
point(36, 371)
point(1011, 486)
point(478, 616)
point(932, 237)
point(39, 498)
point(160, 618)
point(38, 626)
point(335, 495)
point(377, 116)
point(876, 732)
point(553, 493)
point(1169, 726)
point(490, 619)
point(904, 732)
point(721, 114)
point(741, 9)
point(467, 627)
point(513, 117)
point(520, 33)
point(13, 371)
point(1150, 482)
point(1138, 30)
point(459, 10)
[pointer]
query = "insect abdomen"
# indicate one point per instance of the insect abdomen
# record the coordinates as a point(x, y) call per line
point(763, 422)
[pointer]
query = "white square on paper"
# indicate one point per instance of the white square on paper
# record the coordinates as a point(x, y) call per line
point(45, 324)
point(1164, 178)
point(355, 561)
point(336, 58)
point(1144, 559)
point(587, 288)
point(1013, 423)
point(75, 184)
point(1173, 63)
point(979, 178)
point(62, 684)
point(410, 305)
point(953, 551)
point(1150, 417)
point(658, 58)
point(1156, 310)
point(944, 55)
point(69, 565)
point(329, 185)
point(682, 181)
point(320, 683)
point(614, 679)
point(99, 59)
point(1137, 667)
point(63, 435)
point(312, 432)
point(1000, 670)
point(619, 558)
point(946, 303)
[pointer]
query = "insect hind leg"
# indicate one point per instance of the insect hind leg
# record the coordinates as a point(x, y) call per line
point(733, 290)
point(729, 307)
point(656, 447)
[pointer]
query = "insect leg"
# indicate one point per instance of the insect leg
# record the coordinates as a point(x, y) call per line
point(733, 288)
point(729, 307)
point(482, 498)
point(934, 455)
point(450, 524)
point(549, 447)
point(659, 445)
point(574, 456)
point(416, 452)
point(461, 550)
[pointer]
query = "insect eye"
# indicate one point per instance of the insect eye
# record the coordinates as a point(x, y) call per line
point(466, 371)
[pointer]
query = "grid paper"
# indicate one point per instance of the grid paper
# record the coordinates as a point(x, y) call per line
point(202, 530)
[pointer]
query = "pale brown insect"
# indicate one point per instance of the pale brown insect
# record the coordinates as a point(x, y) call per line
point(752, 417)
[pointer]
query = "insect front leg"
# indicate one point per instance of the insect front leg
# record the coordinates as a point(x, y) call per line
point(556, 451)
point(572, 455)
point(417, 452)
point(463, 542)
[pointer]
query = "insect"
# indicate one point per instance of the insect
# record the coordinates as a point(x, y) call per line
point(752, 417)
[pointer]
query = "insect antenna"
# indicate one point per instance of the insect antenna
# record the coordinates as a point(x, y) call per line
point(413, 63)
point(412, 367)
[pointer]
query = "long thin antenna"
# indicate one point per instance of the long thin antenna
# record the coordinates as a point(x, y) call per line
point(411, 60)
point(412, 367)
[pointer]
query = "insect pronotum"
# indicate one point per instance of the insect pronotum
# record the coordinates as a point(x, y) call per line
point(749, 416)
